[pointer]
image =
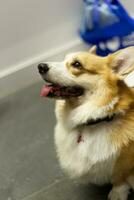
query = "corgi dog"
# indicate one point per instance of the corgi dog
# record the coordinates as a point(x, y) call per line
point(94, 135)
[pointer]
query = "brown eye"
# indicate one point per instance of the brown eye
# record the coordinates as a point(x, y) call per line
point(77, 64)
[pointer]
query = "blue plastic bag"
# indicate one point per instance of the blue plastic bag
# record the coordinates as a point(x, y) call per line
point(107, 25)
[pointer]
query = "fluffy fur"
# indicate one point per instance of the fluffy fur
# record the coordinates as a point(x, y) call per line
point(105, 153)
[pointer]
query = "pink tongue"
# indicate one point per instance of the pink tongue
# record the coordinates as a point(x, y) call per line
point(45, 90)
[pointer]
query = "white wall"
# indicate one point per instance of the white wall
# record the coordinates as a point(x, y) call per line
point(129, 4)
point(29, 28)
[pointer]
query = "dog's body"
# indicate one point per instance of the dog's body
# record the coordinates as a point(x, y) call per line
point(94, 134)
point(91, 157)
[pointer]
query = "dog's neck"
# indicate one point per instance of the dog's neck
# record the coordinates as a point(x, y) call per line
point(98, 106)
point(90, 112)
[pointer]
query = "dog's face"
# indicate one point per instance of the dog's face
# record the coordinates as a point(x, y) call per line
point(82, 73)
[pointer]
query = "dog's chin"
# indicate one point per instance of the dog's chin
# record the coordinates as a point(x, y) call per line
point(58, 91)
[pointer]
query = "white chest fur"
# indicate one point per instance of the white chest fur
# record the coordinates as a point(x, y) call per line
point(92, 158)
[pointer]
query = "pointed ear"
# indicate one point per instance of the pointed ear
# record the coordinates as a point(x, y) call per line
point(122, 62)
point(93, 50)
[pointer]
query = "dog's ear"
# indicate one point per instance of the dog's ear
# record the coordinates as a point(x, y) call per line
point(122, 62)
point(93, 49)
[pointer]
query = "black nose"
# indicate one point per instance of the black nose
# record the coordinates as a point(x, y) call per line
point(43, 68)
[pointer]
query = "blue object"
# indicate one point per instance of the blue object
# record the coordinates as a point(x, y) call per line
point(107, 25)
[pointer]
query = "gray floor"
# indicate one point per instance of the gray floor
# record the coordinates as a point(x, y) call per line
point(28, 166)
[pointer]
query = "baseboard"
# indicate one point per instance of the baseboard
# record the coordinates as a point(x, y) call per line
point(25, 74)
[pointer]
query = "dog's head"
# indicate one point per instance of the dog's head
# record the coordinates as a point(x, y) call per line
point(85, 73)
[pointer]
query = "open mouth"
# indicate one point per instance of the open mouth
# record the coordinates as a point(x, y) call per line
point(55, 90)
